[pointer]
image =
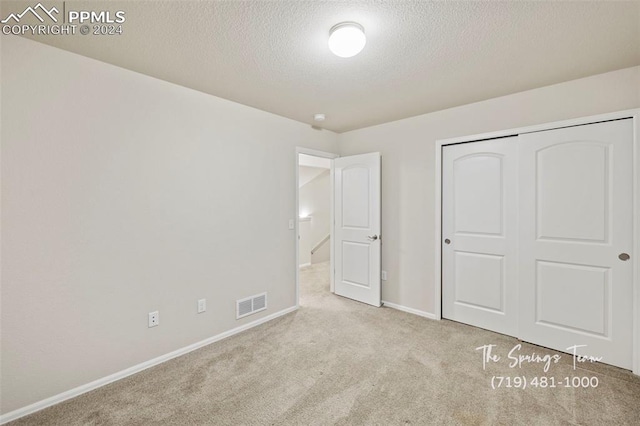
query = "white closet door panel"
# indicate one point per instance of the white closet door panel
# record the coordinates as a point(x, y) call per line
point(575, 220)
point(479, 262)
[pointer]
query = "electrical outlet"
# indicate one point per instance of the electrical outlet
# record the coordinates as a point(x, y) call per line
point(202, 305)
point(383, 275)
point(154, 319)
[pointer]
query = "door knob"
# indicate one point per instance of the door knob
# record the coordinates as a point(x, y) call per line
point(372, 237)
point(447, 241)
point(623, 256)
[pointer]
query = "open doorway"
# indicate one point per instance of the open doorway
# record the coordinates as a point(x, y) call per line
point(353, 238)
point(314, 208)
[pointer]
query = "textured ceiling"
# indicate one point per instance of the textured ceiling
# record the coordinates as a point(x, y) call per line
point(420, 56)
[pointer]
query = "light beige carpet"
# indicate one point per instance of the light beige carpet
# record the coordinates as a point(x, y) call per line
point(336, 361)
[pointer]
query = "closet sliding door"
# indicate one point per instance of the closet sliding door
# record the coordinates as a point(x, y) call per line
point(575, 238)
point(479, 224)
point(537, 238)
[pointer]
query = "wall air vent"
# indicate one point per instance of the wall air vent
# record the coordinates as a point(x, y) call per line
point(251, 305)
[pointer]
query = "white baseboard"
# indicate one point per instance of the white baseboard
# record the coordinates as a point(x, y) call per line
point(409, 310)
point(56, 399)
point(303, 265)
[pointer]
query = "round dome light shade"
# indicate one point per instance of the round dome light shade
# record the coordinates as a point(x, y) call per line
point(347, 39)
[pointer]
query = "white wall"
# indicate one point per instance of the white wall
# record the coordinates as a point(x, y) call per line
point(307, 174)
point(322, 254)
point(304, 244)
point(315, 201)
point(408, 175)
point(123, 194)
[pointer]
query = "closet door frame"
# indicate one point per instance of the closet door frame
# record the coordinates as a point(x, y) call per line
point(633, 114)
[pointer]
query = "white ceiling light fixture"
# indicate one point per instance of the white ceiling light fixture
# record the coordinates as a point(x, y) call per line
point(347, 39)
point(319, 117)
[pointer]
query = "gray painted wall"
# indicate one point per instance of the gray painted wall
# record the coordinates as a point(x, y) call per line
point(123, 194)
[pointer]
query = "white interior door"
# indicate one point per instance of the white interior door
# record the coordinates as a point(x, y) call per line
point(479, 230)
point(357, 227)
point(575, 228)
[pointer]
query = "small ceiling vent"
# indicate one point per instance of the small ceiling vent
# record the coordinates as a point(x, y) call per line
point(251, 305)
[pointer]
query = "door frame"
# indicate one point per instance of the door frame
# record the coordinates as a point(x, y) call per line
point(633, 114)
point(331, 156)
